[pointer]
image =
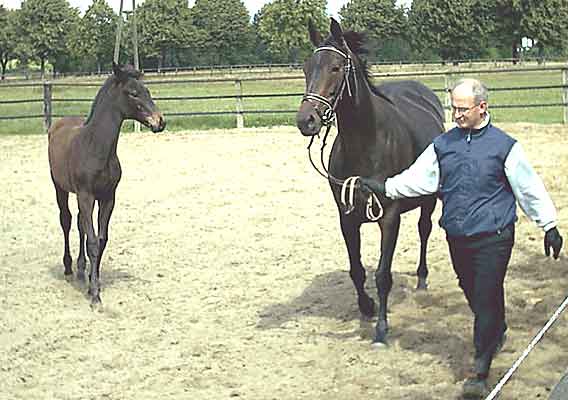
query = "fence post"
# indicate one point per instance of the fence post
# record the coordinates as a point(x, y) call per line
point(46, 105)
point(240, 117)
point(447, 97)
point(565, 95)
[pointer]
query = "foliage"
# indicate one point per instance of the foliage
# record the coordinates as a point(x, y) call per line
point(43, 27)
point(224, 32)
point(454, 29)
point(164, 27)
point(7, 37)
point(93, 38)
point(282, 26)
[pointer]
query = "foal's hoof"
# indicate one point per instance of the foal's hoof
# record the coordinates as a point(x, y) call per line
point(379, 345)
point(96, 304)
point(81, 275)
point(475, 388)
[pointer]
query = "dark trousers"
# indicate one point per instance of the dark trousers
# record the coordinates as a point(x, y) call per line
point(480, 264)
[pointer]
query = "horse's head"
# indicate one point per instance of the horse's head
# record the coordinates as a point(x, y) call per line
point(134, 99)
point(327, 74)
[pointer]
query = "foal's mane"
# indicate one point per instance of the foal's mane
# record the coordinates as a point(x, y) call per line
point(128, 71)
point(356, 42)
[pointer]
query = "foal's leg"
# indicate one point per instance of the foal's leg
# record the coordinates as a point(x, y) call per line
point(105, 211)
point(81, 261)
point(390, 224)
point(351, 234)
point(424, 230)
point(65, 221)
point(86, 204)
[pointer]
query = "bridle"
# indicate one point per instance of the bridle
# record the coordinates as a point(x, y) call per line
point(327, 117)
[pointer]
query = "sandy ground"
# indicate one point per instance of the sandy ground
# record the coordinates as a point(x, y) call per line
point(226, 276)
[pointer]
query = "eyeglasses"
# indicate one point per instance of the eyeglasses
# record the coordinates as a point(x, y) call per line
point(462, 110)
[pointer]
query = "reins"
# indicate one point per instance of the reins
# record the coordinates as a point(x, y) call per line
point(328, 116)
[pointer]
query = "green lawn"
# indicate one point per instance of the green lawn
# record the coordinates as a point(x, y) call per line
point(161, 91)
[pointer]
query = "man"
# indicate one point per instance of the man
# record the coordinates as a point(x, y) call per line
point(479, 173)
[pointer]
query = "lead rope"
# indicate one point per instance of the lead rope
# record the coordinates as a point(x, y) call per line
point(349, 203)
point(530, 347)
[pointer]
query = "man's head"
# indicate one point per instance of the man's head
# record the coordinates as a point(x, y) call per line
point(469, 103)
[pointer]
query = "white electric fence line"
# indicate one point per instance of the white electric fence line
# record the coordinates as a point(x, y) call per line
point(533, 343)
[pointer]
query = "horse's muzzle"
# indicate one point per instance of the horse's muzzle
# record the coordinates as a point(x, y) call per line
point(156, 122)
point(307, 119)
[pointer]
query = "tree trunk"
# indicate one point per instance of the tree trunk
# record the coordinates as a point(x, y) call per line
point(515, 52)
point(42, 70)
point(4, 62)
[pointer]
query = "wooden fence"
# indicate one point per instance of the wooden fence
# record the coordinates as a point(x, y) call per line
point(239, 109)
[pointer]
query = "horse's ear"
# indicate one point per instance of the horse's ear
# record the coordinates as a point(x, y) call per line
point(336, 31)
point(315, 36)
point(118, 72)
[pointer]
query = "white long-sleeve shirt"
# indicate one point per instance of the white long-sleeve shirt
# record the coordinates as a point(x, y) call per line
point(423, 178)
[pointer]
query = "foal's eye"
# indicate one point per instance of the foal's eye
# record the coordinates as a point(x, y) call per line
point(133, 93)
point(335, 68)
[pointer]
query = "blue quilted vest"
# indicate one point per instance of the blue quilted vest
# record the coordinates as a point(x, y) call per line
point(476, 195)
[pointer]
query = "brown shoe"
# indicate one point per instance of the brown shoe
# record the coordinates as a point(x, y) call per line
point(475, 388)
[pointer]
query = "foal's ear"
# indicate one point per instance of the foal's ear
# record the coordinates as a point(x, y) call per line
point(119, 72)
point(315, 36)
point(336, 31)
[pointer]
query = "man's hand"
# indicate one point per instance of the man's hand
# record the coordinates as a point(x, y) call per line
point(552, 239)
point(372, 185)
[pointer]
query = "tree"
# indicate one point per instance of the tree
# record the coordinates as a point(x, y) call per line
point(224, 30)
point(44, 26)
point(544, 21)
point(7, 38)
point(93, 39)
point(381, 20)
point(453, 29)
point(282, 26)
point(164, 26)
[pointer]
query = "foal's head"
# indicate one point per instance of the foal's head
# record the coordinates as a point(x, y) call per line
point(330, 74)
point(134, 99)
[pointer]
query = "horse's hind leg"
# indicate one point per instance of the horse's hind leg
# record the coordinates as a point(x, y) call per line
point(65, 221)
point(81, 261)
point(424, 230)
point(351, 234)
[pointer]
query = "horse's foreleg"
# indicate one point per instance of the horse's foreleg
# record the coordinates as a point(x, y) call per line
point(86, 204)
point(390, 224)
point(65, 221)
point(424, 230)
point(105, 211)
point(81, 261)
point(351, 234)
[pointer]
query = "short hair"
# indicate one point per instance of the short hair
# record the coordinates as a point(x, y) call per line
point(478, 89)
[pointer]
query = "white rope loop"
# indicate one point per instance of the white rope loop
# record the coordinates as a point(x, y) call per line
point(349, 185)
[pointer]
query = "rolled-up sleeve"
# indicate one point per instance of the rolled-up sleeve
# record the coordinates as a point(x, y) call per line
point(421, 178)
point(529, 189)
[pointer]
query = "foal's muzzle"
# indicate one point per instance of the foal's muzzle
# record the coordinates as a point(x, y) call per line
point(155, 122)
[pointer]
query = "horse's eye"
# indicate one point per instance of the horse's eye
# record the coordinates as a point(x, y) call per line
point(133, 93)
point(335, 68)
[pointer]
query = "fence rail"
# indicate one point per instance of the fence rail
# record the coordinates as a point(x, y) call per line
point(239, 109)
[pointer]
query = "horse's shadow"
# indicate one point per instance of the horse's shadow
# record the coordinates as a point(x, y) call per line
point(332, 296)
point(110, 276)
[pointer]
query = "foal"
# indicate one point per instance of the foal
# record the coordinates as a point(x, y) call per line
point(83, 160)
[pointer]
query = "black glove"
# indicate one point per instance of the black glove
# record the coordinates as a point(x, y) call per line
point(373, 185)
point(552, 239)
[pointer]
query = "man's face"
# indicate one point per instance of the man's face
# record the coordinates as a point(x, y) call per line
point(465, 112)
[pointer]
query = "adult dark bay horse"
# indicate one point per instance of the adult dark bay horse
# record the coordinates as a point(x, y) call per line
point(381, 131)
point(83, 160)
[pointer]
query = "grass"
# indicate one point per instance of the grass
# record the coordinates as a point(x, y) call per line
point(160, 91)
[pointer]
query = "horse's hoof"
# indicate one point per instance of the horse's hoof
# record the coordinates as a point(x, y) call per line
point(422, 284)
point(379, 345)
point(81, 275)
point(68, 277)
point(96, 304)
